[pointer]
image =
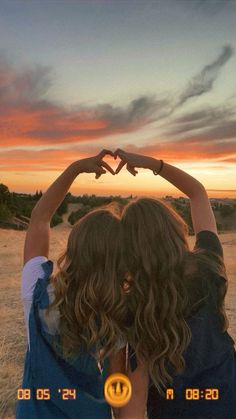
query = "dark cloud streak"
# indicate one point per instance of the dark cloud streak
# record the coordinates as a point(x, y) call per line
point(204, 81)
point(218, 121)
point(211, 7)
point(25, 86)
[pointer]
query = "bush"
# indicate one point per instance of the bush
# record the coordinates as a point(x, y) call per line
point(226, 210)
point(56, 219)
point(5, 213)
point(62, 209)
point(5, 195)
point(76, 215)
point(219, 226)
point(185, 212)
point(97, 201)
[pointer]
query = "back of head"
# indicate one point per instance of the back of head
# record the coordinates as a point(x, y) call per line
point(156, 234)
point(87, 285)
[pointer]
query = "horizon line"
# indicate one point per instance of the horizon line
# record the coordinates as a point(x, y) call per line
point(135, 194)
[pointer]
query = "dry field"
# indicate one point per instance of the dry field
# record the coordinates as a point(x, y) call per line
point(13, 333)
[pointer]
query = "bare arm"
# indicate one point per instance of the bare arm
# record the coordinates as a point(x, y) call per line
point(117, 364)
point(202, 215)
point(136, 407)
point(38, 233)
point(201, 211)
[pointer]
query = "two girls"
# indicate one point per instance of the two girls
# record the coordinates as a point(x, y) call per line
point(171, 312)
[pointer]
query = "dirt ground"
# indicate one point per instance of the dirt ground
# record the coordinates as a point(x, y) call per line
point(13, 332)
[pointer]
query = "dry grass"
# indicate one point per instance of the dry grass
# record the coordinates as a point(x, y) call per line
point(13, 332)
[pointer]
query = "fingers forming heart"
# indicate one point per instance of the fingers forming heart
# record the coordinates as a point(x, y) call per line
point(132, 170)
point(119, 167)
point(109, 168)
point(102, 164)
point(104, 152)
point(118, 153)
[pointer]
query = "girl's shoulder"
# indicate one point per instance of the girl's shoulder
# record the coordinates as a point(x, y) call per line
point(208, 240)
point(204, 272)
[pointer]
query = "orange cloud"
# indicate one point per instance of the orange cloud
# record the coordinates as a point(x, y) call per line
point(25, 126)
point(27, 118)
point(188, 149)
point(58, 159)
point(43, 160)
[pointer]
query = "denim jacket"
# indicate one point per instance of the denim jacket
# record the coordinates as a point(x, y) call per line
point(48, 376)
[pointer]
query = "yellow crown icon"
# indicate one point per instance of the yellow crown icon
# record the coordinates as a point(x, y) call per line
point(117, 390)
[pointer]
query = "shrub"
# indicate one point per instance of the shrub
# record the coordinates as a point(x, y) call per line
point(226, 210)
point(5, 213)
point(5, 195)
point(76, 215)
point(56, 219)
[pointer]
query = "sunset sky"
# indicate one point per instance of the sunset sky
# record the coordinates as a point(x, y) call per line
point(152, 77)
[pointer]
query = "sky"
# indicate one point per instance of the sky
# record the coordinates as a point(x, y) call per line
point(151, 77)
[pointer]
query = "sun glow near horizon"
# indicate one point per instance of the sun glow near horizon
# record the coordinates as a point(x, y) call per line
point(218, 179)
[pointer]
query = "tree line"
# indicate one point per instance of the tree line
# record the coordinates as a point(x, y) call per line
point(13, 204)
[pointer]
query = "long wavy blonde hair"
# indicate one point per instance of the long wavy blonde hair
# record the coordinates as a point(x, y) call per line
point(165, 286)
point(88, 287)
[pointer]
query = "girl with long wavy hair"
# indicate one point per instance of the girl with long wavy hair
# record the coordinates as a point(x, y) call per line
point(74, 317)
point(182, 360)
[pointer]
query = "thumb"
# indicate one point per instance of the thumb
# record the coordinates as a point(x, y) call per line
point(99, 172)
point(131, 169)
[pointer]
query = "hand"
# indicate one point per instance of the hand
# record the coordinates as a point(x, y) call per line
point(135, 160)
point(95, 164)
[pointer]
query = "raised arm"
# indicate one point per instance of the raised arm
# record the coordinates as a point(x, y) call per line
point(202, 215)
point(38, 233)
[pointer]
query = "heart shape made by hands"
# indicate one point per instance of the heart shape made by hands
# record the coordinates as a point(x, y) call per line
point(110, 160)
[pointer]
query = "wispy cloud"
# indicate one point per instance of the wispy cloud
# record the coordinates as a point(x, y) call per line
point(57, 159)
point(203, 82)
point(188, 149)
point(211, 7)
point(24, 86)
point(28, 118)
point(43, 160)
point(211, 122)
